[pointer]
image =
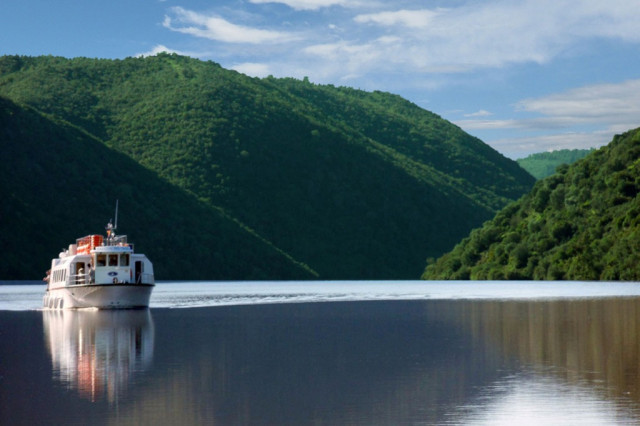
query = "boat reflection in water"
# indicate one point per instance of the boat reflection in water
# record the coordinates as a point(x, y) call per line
point(98, 352)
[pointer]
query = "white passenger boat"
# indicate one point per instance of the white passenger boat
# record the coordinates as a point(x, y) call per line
point(99, 272)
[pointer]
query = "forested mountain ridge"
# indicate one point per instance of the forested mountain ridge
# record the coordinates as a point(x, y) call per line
point(353, 184)
point(60, 190)
point(582, 223)
point(544, 164)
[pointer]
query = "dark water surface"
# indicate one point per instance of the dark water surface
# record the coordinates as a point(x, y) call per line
point(377, 362)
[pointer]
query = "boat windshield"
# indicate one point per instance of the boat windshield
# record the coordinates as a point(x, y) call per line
point(112, 259)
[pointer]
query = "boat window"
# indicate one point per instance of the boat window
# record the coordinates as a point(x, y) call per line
point(124, 259)
point(113, 260)
point(101, 260)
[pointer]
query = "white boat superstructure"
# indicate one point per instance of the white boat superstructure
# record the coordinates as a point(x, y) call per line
point(99, 272)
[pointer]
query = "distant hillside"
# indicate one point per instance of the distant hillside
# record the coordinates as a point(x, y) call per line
point(354, 185)
point(583, 223)
point(544, 164)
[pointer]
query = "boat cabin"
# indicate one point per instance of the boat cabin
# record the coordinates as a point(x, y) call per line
point(97, 260)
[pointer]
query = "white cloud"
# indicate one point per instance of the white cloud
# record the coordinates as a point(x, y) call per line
point(214, 27)
point(461, 38)
point(358, 54)
point(408, 18)
point(348, 60)
point(500, 32)
point(489, 124)
point(481, 113)
point(253, 69)
point(158, 48)
point(616, 106)
point(586, 117)
point(309, 4)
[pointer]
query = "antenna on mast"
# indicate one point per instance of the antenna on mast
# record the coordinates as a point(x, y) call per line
point(115, 226)
point(111, 227)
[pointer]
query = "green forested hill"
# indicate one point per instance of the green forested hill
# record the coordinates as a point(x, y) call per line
point(355, 185)
point(64, 188)
point(544, 164)
point(582, 223)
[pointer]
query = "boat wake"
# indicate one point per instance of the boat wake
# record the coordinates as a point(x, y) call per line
point(195, 294)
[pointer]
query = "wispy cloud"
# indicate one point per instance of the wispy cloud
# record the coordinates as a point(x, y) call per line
point(614, 105)
point(214, 27)
point(348, 61)
point(602, 103)
point(310, 4)
point(583, 117)
point(501, 32)
point(407, 18)
point(253, 69)
point(461, 38)
point(481, 113)
point(160, 48)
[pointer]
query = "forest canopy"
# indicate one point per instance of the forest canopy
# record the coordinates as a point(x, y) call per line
point(582, 223)
point(544, 164)
point(338, 183)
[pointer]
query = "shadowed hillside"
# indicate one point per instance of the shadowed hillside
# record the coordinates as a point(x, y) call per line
point(58, 183)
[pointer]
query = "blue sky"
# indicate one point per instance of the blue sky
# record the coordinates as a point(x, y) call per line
point(524, 76)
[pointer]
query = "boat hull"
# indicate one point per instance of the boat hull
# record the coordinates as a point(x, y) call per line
point(101, 296)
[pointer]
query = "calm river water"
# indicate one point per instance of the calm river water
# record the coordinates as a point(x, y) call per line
point(328, 353)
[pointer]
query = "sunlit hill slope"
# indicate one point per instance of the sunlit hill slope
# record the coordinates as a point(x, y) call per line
point(582, 223)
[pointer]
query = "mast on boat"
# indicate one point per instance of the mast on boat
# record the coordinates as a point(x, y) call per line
point(111, 228)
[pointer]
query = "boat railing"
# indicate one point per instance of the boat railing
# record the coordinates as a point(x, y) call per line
point(116, 240)
point(80, 279)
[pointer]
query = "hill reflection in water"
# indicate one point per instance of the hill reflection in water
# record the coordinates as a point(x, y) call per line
point(430, 362)
point(577, 359)
point(563, 361)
